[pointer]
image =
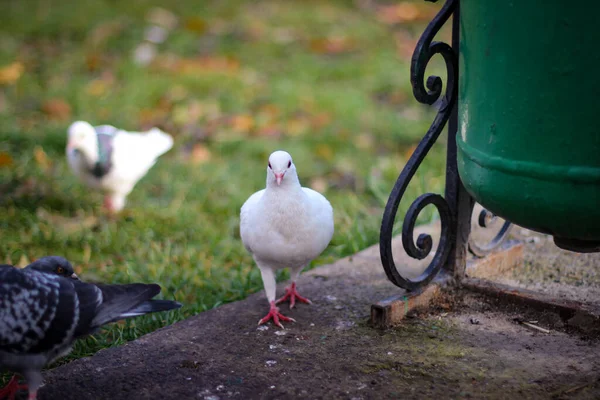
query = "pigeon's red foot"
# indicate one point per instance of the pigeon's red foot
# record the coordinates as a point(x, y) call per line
point(10, 391)
point(108, 204)
point(292, 294)
point(276, 316)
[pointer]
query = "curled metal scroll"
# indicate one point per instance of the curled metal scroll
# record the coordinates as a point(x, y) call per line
point(424, 51)
point(484, 220)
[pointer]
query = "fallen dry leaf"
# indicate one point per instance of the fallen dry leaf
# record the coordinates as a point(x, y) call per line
point(57, 109)
point(325, 152)
point(196, 25)
point(92, 61)
point(242, 123)
point(297, 126)
point(269, 130)
point(100, 86)
point(41, 158)
point(332, 45)
point(11, 73)
point(320, 120)
point(198, 65)
point(200, 154)
point(150, 117)
point(6, 160)
point(405, 12)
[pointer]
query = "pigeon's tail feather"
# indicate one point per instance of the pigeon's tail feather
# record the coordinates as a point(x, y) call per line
point(161, 141)
point(120, 299)
point(151, 306)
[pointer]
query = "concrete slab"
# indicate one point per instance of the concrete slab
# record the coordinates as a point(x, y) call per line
point(468, 348)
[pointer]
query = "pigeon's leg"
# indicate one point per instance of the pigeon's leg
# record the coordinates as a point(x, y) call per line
point(117, 201)
point(34, 381)
point(291, 293)
point(268, 277)
point(10, 391)
point(108, 204)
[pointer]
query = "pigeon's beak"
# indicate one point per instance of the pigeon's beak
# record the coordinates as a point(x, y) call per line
point(74, 276)
point(279, 177)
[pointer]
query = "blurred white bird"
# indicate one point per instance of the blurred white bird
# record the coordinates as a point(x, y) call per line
point(284, 225)
point(113, 160)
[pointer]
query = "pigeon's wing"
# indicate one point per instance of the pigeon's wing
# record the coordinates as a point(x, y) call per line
point(119, 302)
point(323, 213)
point(37, 311)
point(135, 153)
point(245, 220)
point(322, 204)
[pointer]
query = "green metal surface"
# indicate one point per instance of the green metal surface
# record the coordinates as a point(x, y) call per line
point(529, 112)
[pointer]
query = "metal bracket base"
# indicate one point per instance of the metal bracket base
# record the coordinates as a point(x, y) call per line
point(389, 312)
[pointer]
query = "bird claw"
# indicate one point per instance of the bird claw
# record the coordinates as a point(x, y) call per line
point(292, 294)
point(275, 315)
point(10, 390)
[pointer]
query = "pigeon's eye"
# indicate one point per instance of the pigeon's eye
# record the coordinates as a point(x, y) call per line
point(60, 270)
point(289, 163)
point(270, 166)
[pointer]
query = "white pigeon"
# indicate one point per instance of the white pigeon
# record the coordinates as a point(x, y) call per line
point(43, 311)
point(113, 160)
point(284, 225)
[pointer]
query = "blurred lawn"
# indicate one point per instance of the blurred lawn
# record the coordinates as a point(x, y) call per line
point(233, 81)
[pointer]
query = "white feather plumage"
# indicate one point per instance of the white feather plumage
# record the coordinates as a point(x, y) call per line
point(133, 154)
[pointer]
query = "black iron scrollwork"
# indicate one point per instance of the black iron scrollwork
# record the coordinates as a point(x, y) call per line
point(484, 220)
point(424, 51)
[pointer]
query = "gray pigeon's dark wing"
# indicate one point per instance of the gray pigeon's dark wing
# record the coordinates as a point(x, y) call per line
point(116, 302)
point(44, 312)
point(37, 311)
point(105, 135)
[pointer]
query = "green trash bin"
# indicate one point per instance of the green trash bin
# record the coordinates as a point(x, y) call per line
point(529, 113)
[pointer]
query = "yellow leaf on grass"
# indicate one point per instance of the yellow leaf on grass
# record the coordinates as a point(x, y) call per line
point(97, 87)
point(325, 152)
point(199, 65)
point(297, 126)
point(11, 73)
point(196, 25)
point(41, 158)
point(242, 123)
point(6, 160)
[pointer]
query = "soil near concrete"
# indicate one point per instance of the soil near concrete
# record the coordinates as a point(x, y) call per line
point(468, 346)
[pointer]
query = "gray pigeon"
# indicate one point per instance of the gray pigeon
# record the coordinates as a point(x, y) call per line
point(42, 314)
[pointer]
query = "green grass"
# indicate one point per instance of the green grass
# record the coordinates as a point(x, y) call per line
point(348, 119)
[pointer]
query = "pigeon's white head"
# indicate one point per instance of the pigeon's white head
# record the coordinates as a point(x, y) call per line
point(281, 167)
point(82, 137)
